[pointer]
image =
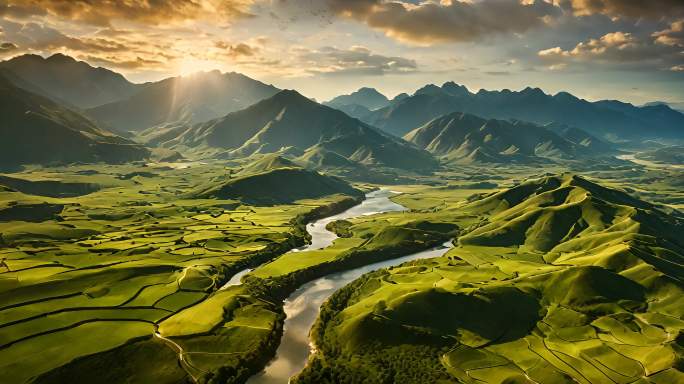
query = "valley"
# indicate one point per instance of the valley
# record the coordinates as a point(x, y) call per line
point(212, 228)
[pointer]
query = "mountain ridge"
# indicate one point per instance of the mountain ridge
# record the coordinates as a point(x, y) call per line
point(466, 138)
point(54, 133)
point(613, 120)
point(289, 119)
point(63, 78)
point(186, 99)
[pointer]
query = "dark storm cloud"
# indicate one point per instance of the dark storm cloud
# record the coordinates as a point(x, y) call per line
point(447, 21)
point(103, 12)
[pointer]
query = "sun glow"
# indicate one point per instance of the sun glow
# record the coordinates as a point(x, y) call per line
point(191, 65)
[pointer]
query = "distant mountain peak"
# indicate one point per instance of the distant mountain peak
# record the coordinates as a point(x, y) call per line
point(368, 90)
point(454, 89)
point(366, 97)
point(60, 57)
point(533, 91)
point(290, 96)
point(428, 89)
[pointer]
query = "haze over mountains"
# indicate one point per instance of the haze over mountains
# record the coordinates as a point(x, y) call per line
point(366, 97)
point(35, 129)
point(62, 78)
point(609, 119)
point(229, 115)
point(291, 121)
point(188, 99)
point(461, 137)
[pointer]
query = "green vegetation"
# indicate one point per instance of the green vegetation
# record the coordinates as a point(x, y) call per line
point(290, 120)
point(463, 138)
point(87, 279)
point(279, 186)
point(560, 280)
point(36, 130)
point(666, 155)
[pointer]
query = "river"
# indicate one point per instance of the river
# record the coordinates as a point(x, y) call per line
point(302, 306)
point(647, 163)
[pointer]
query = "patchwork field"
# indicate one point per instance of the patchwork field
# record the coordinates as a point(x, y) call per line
point(94, 271)
point(562, 281)
point(117, 271)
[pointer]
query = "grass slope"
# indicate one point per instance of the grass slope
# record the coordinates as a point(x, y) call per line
point(279, 186)
point(36, 130)
point(561, 280)
point(460, 137)
point(290, 120)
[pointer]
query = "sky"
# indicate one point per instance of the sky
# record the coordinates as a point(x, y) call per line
point(631, 50)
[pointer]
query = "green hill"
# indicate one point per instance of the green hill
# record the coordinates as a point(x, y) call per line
point(64, 79)
point(318, 157)
point(279, 186)
point(266, 163)
point(289, 119)
point(187, 99)
point(36, 130)
point(465, 138)
point(562, 281)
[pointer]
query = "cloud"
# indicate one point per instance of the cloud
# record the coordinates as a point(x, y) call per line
point(431, 22)
point(356, 60)
point(237, 50)
point(617, 48)
point(673, 36)
point(104, 12)
point(37, 36)
point(116, 62)
point(7, 47)
point(635, 9)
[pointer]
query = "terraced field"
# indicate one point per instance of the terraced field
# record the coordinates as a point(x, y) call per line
point(100, 273)
point(120, 272)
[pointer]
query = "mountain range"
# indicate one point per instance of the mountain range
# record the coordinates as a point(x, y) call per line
point(461, 137)
point(62, 78)
point(290, 121)
point(368, 98)
point(36, 130)
point(613, 120)
point(188, 99)
point(229, 115)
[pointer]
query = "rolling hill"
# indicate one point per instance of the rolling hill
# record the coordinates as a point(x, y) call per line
point(290, 120)
point(562, 281)
point(187, 99)
point(279, 186)
point(613, 120)
point(36, 130)
point(465, 138)
point(64, 79)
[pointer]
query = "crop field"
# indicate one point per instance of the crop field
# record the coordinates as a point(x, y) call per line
point(521, 298)
point(103, 268)
point(559, 280)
